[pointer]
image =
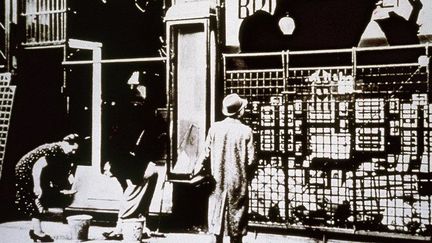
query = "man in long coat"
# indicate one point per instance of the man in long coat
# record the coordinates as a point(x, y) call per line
point(229, 145)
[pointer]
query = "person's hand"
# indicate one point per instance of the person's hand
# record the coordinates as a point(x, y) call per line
point(150, 170)
point(107, 169)
point(38, 192)
point(71, 179)
point(39, 206)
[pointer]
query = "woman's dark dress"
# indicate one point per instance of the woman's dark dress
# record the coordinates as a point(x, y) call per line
point(25, 197)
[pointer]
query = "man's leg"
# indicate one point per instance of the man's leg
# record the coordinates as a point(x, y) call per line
point(147, 199)
point(140, 196)
point(220, 237)
point(149, 189)
point(116, 233)
point(136, 198)
point(129, 205)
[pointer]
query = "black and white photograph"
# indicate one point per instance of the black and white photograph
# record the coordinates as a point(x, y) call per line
point(215, 121)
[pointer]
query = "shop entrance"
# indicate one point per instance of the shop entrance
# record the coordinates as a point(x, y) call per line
point(97, 93)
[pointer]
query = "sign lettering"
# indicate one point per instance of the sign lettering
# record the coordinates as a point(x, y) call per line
point(248, 7)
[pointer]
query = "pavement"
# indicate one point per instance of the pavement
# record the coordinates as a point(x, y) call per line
point(17, 231)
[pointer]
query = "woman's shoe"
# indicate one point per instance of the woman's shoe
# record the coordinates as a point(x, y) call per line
point(112, 236)
point(36, 238)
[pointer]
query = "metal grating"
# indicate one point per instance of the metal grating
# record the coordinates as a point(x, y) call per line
point(45, 22)
point(343, 146)
point(256, 83)
point(7, 93)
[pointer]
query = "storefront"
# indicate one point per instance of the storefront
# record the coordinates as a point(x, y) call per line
point(341, 119)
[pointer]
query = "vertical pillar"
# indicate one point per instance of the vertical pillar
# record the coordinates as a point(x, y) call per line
point(96, 109)
point(96, 122)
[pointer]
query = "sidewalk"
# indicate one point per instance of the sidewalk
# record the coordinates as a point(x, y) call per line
point(17, 232)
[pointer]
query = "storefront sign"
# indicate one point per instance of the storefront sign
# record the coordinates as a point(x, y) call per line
point(237, 10)
point(248, 7)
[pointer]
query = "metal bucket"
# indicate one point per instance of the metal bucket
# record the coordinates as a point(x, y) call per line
point(132, 229)
point(79, 225)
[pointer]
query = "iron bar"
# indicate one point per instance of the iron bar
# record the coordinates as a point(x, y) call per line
point(120, 60)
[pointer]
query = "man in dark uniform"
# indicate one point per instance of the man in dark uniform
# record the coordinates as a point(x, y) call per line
point(134, 147)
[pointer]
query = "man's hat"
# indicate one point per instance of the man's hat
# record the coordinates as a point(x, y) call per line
point(232, 104)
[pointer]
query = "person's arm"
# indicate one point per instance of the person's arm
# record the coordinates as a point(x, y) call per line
point(251, 162)
point(37, 169)
point(38, 155)
point(205, 154)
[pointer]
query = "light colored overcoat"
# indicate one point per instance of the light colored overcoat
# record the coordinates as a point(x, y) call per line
point(229, 144)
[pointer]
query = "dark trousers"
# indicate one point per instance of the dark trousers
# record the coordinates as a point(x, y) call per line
point(137, 198)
